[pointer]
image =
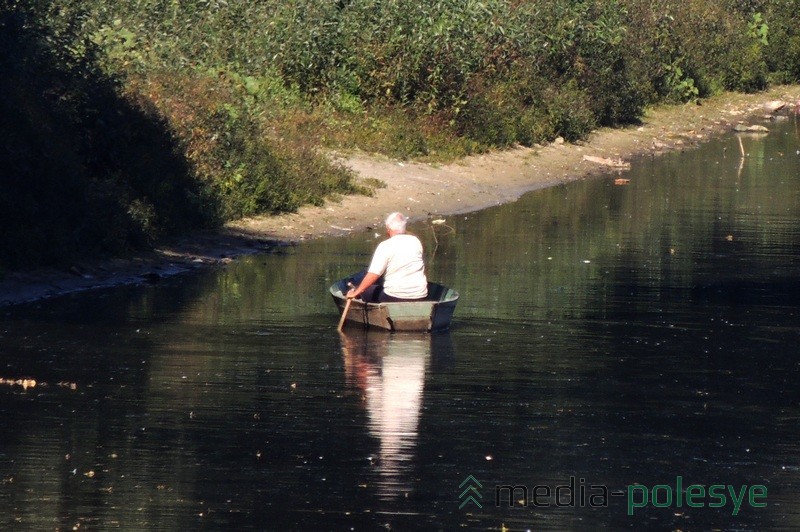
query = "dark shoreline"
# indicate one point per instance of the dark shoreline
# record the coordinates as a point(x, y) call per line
point(188, 255)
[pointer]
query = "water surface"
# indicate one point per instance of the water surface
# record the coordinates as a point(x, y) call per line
point(606, 336)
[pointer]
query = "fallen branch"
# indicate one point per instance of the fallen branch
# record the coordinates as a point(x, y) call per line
point(614, 163)
point(741, 128)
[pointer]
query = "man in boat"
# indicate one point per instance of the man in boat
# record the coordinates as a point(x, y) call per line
point(398, 260)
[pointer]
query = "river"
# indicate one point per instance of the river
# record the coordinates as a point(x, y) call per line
point(622, 356)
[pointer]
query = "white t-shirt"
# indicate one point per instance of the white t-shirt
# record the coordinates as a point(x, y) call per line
point(399, 260)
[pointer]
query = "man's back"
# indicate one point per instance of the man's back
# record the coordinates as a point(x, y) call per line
point(399, 260)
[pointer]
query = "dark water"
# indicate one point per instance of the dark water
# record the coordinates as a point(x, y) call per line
point(607, 336)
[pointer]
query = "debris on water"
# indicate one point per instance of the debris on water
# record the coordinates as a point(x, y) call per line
point(33, 383)
point(621, 181)
point(25, 383)
point(614, 163)
point(774, 106)
point(438, 221)
point(741, 128)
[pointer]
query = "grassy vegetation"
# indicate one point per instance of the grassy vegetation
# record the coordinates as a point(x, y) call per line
point(125, 122)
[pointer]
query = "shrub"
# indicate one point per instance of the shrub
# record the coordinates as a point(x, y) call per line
point(782, 52)
point(85, 170)
point(158, 134)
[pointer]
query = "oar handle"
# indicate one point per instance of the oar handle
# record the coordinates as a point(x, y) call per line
point(346, 309)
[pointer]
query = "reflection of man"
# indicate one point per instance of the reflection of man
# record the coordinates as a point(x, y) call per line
point(399, 261)
point(390, 371)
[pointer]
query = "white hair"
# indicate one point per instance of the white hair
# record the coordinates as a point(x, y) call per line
point(396, 222)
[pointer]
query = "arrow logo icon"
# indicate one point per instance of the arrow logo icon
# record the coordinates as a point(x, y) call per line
point(470, 492)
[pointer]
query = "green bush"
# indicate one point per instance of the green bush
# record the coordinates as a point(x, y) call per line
point(430, 58)
point(489, 119)
point(169, 116)
point(570, 111)
point(94, 164)
point(782, 52)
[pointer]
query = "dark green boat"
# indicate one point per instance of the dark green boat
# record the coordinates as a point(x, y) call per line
point(431, 314)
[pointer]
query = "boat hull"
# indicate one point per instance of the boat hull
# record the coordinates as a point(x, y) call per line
point(432, 314)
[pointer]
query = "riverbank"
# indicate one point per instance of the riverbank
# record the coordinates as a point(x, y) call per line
point(421, 191)
point(425, 190)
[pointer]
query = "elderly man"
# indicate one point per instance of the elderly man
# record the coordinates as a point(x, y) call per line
point(399, 261)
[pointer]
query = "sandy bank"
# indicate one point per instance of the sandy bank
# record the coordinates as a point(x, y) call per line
point(420, 190)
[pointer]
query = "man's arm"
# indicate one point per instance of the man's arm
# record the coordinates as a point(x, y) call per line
point(366, 282)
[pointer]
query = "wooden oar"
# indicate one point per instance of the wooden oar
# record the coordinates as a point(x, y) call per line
point(346, 308)
point(344, 314)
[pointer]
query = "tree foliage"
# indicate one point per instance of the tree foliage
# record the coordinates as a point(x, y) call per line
point(167, 115)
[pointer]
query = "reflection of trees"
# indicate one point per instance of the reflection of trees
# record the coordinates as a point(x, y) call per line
point(69, 450)
point(673, 210)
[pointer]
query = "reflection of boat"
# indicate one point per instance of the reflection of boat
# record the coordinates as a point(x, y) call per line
point(432, 314)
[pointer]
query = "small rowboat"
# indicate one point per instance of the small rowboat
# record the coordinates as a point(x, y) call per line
point(431, 314)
